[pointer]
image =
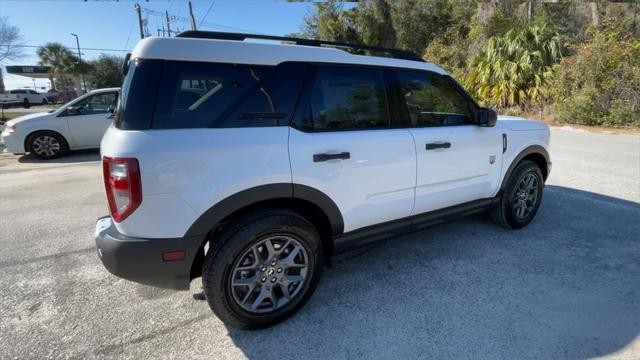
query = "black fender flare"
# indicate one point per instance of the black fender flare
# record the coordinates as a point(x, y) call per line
point(533, 149)
point(257, 194)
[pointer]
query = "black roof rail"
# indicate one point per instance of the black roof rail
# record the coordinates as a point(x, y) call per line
point(394, 53)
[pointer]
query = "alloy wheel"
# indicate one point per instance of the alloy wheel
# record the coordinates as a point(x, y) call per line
point(270, 274)
point(526, 196)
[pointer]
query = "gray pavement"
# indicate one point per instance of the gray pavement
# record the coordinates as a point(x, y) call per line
point(567, 286)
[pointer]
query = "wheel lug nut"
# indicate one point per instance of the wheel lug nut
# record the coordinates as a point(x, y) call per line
point(273, 279)
point(273, 262)
point(264, 278)
point(263, 269)
point(279, 270)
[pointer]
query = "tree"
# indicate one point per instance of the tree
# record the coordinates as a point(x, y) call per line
point(59, 58)
point(600, 83)
point(105, 71)
point(10, 44)
point(516, 67)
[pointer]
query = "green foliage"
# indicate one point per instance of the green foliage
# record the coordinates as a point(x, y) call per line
point(514, 68)
point(578, 57)
point(105, 72)
point(600, 83)
point(62, 62)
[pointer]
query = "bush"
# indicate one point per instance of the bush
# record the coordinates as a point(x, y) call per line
point(514, 69)
point(600, 83)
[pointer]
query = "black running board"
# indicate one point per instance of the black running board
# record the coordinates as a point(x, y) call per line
point(370, 234)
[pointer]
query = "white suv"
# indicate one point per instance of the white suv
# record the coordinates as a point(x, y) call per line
point(252, 163)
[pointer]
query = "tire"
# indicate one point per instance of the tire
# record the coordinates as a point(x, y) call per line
point(508, 212)
point(47, 145)
point(45, 101)
point(26, 104)
point(233, 251)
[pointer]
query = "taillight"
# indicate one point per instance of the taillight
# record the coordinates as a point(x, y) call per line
point(123, 185)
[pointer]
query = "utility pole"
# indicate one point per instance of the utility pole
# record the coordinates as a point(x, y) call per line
point(193, 20)
point(80, 62)
point(168, 22)
point(139, 11)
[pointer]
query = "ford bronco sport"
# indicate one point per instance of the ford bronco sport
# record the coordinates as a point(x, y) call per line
point(250, 164)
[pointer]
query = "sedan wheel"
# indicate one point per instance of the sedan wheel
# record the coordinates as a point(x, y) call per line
point(47, 145)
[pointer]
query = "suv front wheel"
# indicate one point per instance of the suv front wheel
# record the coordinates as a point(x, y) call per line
point(262, 268)
point(520, 200)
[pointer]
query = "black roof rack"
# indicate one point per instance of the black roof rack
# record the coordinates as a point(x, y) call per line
point(394, 53)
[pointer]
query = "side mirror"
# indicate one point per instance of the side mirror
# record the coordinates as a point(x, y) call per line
point(72, 110)
point(111, 109)
point(487, 117)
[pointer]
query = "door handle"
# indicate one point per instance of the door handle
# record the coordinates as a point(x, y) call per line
point(433, 146)
point(327, 157)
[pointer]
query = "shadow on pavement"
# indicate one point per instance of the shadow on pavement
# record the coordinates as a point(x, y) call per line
point(77, 156)
point(566, 286)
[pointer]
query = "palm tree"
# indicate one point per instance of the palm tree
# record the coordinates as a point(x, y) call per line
point(515, 68)
point(59, 58)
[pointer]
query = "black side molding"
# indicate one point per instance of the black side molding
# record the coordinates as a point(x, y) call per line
point(284, 191)
point(533, 149)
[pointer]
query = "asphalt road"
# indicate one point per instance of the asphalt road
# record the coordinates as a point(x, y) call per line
point(567, 286)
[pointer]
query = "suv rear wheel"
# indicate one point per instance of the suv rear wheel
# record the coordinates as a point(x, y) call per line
point(520, 200)
point(263, 268)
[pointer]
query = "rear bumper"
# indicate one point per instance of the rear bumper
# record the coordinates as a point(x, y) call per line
point(140, 260)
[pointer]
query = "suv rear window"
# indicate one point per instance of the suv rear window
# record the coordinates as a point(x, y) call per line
point(196, 95)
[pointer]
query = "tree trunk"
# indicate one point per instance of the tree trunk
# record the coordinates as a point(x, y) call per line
point(529, 9)
point(78, 84)
point(595, 14)
point(53, 84)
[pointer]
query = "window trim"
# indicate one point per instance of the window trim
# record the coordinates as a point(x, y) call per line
point(474, 108)
point(302, 105)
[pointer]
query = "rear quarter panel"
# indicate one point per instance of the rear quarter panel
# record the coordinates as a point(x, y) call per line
point(186, 171)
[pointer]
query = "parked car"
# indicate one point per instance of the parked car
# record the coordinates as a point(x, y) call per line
point(79, 124)
point(251, 163)
point(8, 100)
point(24, 97)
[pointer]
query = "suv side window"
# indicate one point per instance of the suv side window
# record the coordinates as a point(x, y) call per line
point(196, 95)
point(346, 98)
point(431, 100)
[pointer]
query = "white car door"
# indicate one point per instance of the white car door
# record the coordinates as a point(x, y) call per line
point(457, 160)
point(342, 145)
point(90, 118)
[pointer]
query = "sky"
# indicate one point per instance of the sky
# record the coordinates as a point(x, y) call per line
point(113, 24)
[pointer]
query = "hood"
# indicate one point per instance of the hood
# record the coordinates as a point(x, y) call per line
point(515, 123)
point(22, 118)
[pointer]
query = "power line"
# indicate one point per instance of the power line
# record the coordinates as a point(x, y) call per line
point(205, 15)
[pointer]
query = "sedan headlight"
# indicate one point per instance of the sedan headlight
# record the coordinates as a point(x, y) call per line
point(10, 127)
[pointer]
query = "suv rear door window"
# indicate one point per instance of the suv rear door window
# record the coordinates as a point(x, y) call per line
point(194, 95)
point(346, 98)
point(431, 100)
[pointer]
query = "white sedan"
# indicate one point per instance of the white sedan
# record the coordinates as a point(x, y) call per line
point(78, 124)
